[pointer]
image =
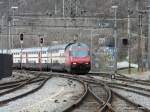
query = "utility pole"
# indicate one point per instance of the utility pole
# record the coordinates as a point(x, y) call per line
point(148, 57)
point(63, 8)
point(139, 42)
point(1, 38)
point(76, 8)
point(129, 38)
point(115, 37)
point(9, 27)
point(1, 32)
point(91, 49)
point(13, 8)
point(55, 9)
point(9, 34)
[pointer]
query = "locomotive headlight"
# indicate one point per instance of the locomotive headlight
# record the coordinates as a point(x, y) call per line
point(74, 63)
point(87, 63)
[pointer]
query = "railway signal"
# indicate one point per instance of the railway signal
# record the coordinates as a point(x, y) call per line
point(21, 38)
point(41, 40)
point(125, 41)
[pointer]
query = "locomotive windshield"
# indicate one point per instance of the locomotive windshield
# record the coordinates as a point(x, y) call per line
point(79, 53)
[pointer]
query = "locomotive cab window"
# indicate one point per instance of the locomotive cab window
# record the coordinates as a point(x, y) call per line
point(79, 53)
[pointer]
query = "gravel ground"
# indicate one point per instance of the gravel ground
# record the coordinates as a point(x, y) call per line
point(56, 95)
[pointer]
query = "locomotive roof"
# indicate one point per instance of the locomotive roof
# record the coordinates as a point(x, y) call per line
point(78, 45)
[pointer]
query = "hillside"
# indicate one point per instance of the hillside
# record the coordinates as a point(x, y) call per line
point(36, 18)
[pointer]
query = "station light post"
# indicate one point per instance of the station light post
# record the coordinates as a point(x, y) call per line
point(13, 8)
point(115, 37)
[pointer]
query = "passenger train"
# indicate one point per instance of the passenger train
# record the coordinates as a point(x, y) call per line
point(71, 57)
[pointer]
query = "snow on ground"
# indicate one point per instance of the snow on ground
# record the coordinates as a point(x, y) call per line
point(125, 64)
point(140, 75)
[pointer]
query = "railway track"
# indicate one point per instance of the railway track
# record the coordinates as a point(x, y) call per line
point(96, 96)
point(128, 85)
point(120, 105)
point(12, 86)
point(99, 95)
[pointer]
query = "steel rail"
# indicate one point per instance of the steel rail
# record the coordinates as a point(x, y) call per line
point(112, 85)
point(130, 90)
point(131, 102)
point(105, 104)
point(18, 86)
point(129, 86)
point(97, 81)
point(24, 94)
point(80, 100)
point(13, 82)
point(121, 77)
